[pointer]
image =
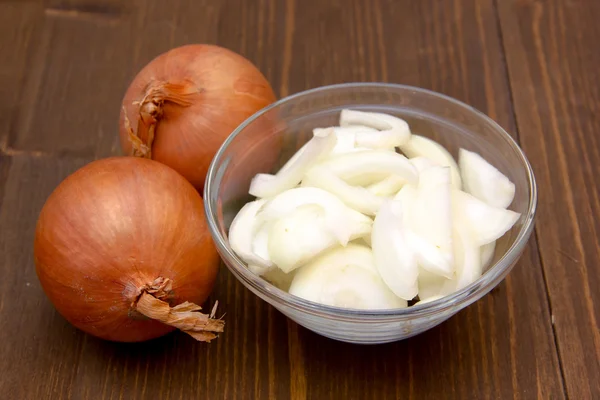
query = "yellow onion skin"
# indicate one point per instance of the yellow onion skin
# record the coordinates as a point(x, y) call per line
point(194, 96)
point(108, 231)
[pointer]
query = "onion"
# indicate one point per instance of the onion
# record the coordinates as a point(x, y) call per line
point(392, 132)
point(484, 181)
point(344, 277)
point(320, 146)
point(123, 251)
point(302, 234)
point(182, 106)
point(392, 251)
point(420, 146)
point(242, 231)
point(485, 223)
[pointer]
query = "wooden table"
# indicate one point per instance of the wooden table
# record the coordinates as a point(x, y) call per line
point(532, 65)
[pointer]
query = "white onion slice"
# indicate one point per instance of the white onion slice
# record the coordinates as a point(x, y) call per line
point(484, 181)
point(335, 210)
point(468, 260)
point(388, 186)
point(302, 234)
point(344, 277)
point(346, 138)
point(279, 278)
point(420, 146)
point(487, 253)
point(392, 251)
point(429, 256)
point(428, 300)
point(321, 145)
point(355, 197)
point(430, 285)
point(422, 163)
point(431, 220)
point(392, 131)
point(372, 162)
point(486, 223)
point(241, 236)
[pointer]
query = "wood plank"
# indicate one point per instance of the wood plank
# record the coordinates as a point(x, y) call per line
point(75, 85)
point(553, 64)
point(19, 32)
point(107, 8)
point(452, 47)
point(251, 359)
point(37, 343)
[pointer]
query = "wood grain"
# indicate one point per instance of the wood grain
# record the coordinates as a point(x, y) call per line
point(553, 64)
point(40, 349)
point(19, 30)
point(75, 83)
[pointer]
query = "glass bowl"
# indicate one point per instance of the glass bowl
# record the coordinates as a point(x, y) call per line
point(269, 138)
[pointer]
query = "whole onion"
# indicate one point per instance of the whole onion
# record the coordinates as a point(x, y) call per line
point(123, 251)
point(182, 106)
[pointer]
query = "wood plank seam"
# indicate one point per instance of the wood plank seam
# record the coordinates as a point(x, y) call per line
point(84, 15)
point(535, 232)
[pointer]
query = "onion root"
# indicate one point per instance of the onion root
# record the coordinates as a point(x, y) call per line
point(185, 316)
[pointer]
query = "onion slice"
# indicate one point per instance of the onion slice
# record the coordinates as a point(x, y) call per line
point(355, 197)
point(302, 234)
point(335, 211)
point(468, 261)
point(241, 236)
point(431, 220)
point(392, 131)
point(344, 277)
point(371, 162)
point(388, 186)
point(392, 251)
point(484, 181)
point(420, 146)
point(487, 253)
point(485, 223)
point(321, 145)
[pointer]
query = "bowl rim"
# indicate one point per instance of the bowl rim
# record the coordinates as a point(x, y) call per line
point(456, 300)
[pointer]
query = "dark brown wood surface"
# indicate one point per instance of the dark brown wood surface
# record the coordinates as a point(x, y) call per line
point(532, 65)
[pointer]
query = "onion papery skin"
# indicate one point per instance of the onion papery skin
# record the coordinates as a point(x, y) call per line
point(201, 94)
point(109, 231)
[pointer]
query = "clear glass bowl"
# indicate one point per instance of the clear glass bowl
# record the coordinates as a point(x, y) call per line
point(269, 138)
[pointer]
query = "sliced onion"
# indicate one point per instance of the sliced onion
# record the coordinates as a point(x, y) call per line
point(467, 258)
point(371, 162)
point(321, 145)
point(484, 181)
point(335, 210)
point(388, 186)
point(428, 300)
point(420, 146)
point(392, 131)
point(428, 255)
point(487, 253)
point(430, 286)
point(422, 163)
point(346, 138)
point(356, 197)
point(280, 279)
point(485, 223)
point(302, 234)
point(392, 251)
point(344, 277)
point(241, 235)
point(431, 220)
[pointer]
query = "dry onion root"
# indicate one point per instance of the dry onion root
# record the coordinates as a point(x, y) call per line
point(123, 251)
point(182, 106)
point(352, 223)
